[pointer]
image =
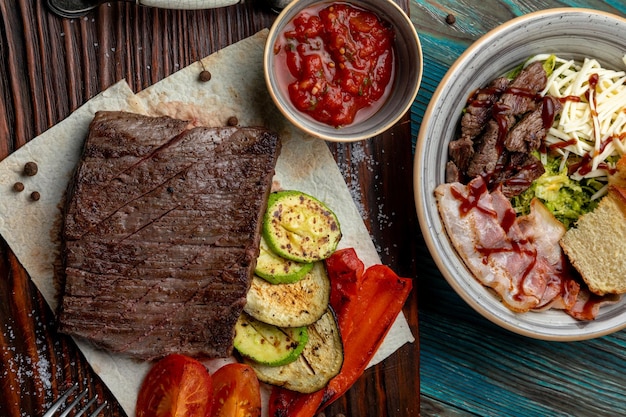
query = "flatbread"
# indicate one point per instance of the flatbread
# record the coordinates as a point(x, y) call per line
point(237, 88)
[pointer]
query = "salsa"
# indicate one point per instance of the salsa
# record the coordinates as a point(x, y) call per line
point(340, 59)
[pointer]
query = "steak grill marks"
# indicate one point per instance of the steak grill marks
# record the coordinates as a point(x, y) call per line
point(161, 234)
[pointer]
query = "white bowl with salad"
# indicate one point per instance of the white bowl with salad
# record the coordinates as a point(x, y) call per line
point(564, 162)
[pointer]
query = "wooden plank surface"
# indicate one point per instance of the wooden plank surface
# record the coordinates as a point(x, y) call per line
point(468, 365)
point(49, 66)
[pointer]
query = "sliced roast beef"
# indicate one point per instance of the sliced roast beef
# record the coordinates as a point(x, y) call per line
point(514, 126)
point(477, 113)
point(461, 152)
point(521, 95)
point(161, 233)
point(527, 134)
point(488, 151)
point(522, 169)
point(478, 110)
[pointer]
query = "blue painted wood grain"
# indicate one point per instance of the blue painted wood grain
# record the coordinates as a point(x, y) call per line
point(470, 366)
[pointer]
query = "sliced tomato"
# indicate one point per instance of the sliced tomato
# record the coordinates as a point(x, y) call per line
point(176, 386)
point(236, 392)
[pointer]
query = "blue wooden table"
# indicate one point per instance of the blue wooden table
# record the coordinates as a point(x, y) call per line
point(468, 365)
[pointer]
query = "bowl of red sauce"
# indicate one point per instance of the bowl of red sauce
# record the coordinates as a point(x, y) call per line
point(343, 71)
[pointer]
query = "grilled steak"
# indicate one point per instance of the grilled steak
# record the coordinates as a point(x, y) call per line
point(488, 151)
point(528, 133)
point(474, 120)
point(161, 234)
point(502, 125)
point(478, 111)
point(520, 96)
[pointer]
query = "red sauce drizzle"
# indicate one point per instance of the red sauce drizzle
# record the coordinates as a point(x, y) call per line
point(593, 83)
point(605, 143)
point(562, 144)
point(523, 180)
point(590, 305)
point(583, 166)
point(523, 92)
point(476, 190)
point(481, 103)
point(490, 91)
point(569, 98)
point(499, 112)
point(547, 113)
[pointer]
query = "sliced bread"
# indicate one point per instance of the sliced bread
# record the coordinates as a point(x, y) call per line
point(596, 246)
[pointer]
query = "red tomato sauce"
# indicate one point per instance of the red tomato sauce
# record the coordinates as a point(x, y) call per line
point(339, 60)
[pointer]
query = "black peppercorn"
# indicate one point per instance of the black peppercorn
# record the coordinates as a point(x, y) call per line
point(205, 76)
point(30, 169)
point(18, 186)
point(232, 121)
point(450, 19)
point(35, 195)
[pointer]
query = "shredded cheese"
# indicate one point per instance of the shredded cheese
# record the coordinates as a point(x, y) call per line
point(592, 123)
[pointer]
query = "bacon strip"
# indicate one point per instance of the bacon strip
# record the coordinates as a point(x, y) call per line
point(519, 258)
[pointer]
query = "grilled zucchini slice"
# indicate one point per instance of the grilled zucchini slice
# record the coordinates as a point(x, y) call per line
point(276, 269)
point(290, 305)
point(320, 360)
point(299, 227)
point(266, 344)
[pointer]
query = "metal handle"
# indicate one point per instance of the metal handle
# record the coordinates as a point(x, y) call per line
point(187, 4)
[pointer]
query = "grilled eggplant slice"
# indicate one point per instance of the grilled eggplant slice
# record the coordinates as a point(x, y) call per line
point(299, 227)
point(320, 360)
point(290, 305)
point(266, 344)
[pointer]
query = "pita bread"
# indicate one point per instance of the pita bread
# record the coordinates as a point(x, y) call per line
point(236, 89)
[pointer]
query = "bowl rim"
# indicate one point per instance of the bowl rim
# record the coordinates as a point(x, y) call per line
point(379, 129)
point(419, 197)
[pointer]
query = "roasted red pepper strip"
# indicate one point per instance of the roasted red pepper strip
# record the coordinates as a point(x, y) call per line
point(366, 305)
point(380, 299)
point(345, 271)
point(286, 403)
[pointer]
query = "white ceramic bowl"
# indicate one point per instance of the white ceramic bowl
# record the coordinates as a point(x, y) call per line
point(408, 74)
point(569, 33)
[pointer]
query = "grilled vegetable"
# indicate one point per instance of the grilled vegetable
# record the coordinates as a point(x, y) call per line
point(379, 300)
point(299, 227)
point(290, 305)
point(319, 362)
point(266, 344)
point(278, 270)
point(367, 304)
